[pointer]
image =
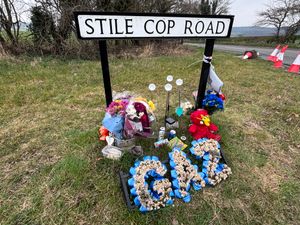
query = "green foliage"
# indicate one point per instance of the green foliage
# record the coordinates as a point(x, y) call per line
point(41, 26)
point(205, 8)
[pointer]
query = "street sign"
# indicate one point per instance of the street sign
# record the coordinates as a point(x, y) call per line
point(124, 26)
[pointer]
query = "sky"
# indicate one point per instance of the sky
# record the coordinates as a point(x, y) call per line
point(245, 11)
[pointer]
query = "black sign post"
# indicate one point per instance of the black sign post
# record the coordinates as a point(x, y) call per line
point(105, 71)
point(110, 25)
point(208, 51)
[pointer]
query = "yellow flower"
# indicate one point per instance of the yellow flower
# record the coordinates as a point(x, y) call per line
point(152, 106)
point(140, 99)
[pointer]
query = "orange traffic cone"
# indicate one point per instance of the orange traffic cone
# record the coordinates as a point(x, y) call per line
point(294, 68)
point(273, 55)
point(248, 55)
point(279, 61)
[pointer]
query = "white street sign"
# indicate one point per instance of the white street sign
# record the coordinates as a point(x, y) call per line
point(111, 26)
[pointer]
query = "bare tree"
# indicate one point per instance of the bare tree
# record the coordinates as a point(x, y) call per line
point(293, 25)
point(214, 7)
point(9, 21)
point(219, 7)
point(276, 14)
point(186, 6)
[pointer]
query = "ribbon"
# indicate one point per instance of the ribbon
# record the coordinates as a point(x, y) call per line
point(207, 59)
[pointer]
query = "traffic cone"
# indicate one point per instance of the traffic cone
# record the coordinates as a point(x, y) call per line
point(294, 68)
point(248, 55)
point(279, 61)
point(273, 55)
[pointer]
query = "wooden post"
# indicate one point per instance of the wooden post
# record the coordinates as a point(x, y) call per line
point(105, 71)
point(209, 47)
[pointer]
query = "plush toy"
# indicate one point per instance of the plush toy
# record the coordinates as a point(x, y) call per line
point(143, 115)
point(132, 124)
point(202, 127)
point(187, 107)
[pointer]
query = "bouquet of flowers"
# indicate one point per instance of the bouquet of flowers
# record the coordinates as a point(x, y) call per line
point(213, 102)
point(128, 116)
point(117, 107)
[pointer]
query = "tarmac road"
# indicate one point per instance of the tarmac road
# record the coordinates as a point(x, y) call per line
point(289, 56)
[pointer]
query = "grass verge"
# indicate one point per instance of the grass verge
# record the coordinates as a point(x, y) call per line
point(52, 171)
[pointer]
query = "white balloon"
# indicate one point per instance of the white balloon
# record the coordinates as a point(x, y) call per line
point(152, 87)
point(168, 87)
point(179, 82)
point(169, 78)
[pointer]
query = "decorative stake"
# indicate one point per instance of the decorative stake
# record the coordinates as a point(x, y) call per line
point(152, 87)
point(169, 78)
point(168, 88)
point(179, 109)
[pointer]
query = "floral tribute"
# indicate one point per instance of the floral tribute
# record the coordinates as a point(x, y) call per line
point(118, 107)
point(157, 192)
point(128, 116)
point(184, 174)
point(152, 191)
point(213, 101)
point(209, 151)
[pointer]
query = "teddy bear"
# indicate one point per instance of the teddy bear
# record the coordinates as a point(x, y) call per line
point(132, 124)
point(202, 127)
point(143, 116)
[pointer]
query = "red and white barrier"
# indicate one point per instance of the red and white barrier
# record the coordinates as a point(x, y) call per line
point(273, 55)
point(294, 68)
point(279, 61)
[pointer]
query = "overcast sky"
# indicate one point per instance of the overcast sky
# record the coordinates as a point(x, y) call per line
point(245, 11)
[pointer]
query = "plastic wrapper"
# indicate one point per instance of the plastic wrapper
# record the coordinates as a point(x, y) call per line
point(114, 124)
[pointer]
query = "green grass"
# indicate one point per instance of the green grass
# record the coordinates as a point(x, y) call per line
point(52, 171)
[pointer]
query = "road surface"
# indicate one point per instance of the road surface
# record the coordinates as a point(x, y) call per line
point(289, 56)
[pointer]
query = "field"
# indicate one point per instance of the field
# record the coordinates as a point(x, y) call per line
point(259, 41)
point(52, 171)
point(267, 41)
